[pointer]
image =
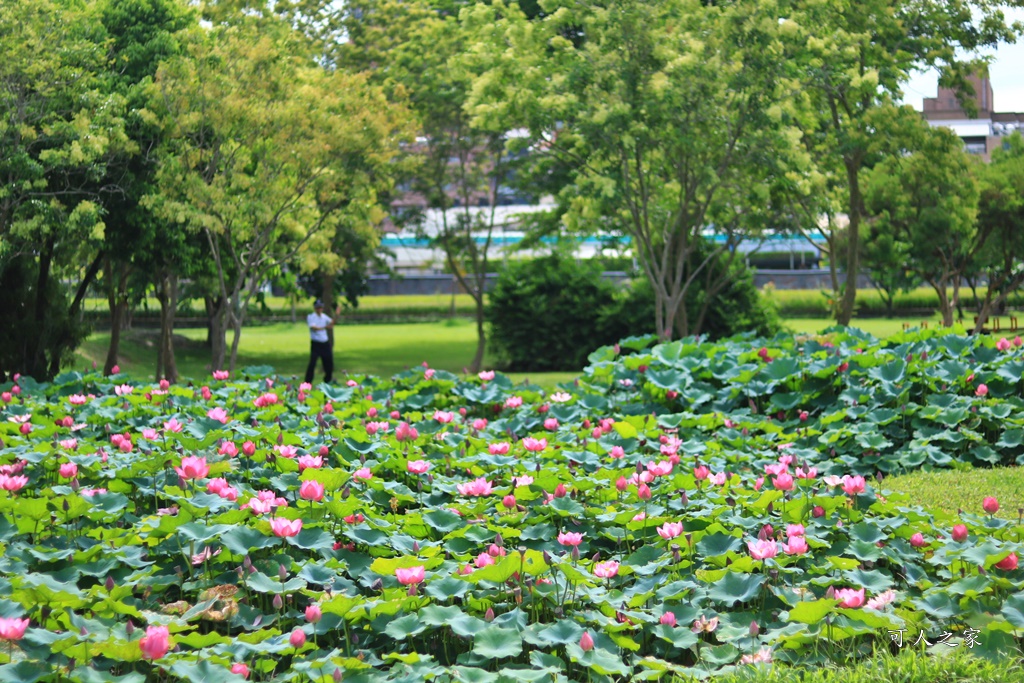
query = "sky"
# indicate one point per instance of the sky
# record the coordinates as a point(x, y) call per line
point(1006, 71)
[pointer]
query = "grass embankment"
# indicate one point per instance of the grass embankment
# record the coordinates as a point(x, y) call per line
point(957, 666)
point(381, 349)
point(953, 490)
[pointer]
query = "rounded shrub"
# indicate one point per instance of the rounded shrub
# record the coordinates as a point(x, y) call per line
point(546, 313)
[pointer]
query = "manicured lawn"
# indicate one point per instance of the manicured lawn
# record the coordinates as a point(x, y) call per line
point(381, 349)
point(953, 490)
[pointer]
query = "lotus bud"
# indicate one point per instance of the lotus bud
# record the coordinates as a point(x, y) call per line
point(346, 491)
point(830, 594)
point(129, 628)
point(683, 498)
point(241, 572)
point(337, 675)
point(412, 590)
point(282, 572)
point(278, 602)
point(110, 583)
point(377, 585)
point(676, 555)
point(754, 629)
point(489, 615)
point(575, 553)
point(587, 642)
point(547, 557)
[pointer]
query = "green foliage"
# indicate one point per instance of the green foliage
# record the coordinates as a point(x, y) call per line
point(548, 313)
point(952, 491)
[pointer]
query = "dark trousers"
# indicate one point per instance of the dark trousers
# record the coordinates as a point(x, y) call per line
point(320, 350)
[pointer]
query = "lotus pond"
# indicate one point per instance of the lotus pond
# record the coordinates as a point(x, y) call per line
point(681, 511)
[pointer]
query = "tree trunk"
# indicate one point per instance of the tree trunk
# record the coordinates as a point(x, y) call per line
point(117, 298)
point(35, 350)
point(481, 337)
point(218, 333)
point(846, 305)
point(328, 299)
point(945, 305)
point(167, 293)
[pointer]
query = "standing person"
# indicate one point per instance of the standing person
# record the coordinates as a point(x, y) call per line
point(319, 346)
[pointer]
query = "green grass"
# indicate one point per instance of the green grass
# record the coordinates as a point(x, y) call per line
point(380, 349)
point(879, 327)
point(956, 666)
point(954, 490)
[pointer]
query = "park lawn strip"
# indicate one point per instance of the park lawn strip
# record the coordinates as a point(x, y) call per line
point(909, 666)
point(964, 489)
point(381, 349)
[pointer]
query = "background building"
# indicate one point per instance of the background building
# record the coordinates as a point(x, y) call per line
point(981, 133)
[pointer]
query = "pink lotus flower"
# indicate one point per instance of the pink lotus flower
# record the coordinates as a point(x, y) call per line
point(848, 597)
point(509, 501)
point(417, 466)
point(617, 452)
point(298, 638)
point(77, 400)
point(990, 505)
point(403, 432)
point(809, 473)
point(204, 555)
point(670, 530)
point(762, 656)
point(486, 375)
point(216, 485)
point(221, 374)
point(795, 545)
point(192, 467)
point(267, 399)
point(155, 643)
point(881, 600)
point(374, 427)
point(206, 393)
point(795, 530)
point(69, 470)
point(783, 482)
point(218, 414)
point(249, 448)
point(1008, 563)
point(551, 424)
point(523, 480)
point(535, 445)
point(16, 467)
point(643, 492)
point(149, 434)
point(354, 519)
point(832, 480)
point(659, 469)
point(89, 493)
point(586, 642)
point(285, 528)
point(513, 401)
point(606, 570)
point(776, 468)
point(1003, 344)
point(241, 669)
point(1017, 341)
point(443, 417)
point(13, 629)
point(484, 560)
point(314, 614)
point(702, 625)
point(960, 533)
point(69, 444)
point(411, 575)
point(309, 462)
point(701, 472)
point(560, 491)
point(286, 451)
point(917, 540)
point(668, 619)
point(123, 389)
point(560, 397)
point(228, 448)
point(570, 538)
point(429, 373)
point(363, 473)
point(311, 490)
point(480, 424)
point(173, 425)
point(477, 487)
point(758, 483)
point(762, 550)
point(982, 390)
point(853, 485)
point(717, 479)
point(500, 448)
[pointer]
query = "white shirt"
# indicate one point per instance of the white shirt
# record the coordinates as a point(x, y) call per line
point(318, 320)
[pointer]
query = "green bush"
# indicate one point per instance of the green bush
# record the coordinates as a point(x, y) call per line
point(550, 313)
point(546, 313)
point(736, 309)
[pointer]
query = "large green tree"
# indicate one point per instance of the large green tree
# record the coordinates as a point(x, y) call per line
point(670, 112)
point(267, 152)
point(851, 59)
point(413, 49)
point(1001, 220)
point(60, 127)
point(926, 203)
